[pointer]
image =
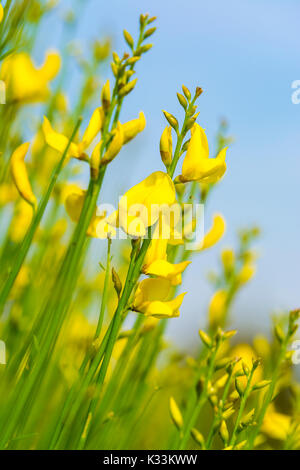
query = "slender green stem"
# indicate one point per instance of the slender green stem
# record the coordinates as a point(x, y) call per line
point(105, 291)
point(201, 401)
point(244, 399)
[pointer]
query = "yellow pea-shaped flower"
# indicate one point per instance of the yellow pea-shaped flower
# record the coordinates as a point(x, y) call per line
point(197, 166)
point(151, 299)
point(133, 127)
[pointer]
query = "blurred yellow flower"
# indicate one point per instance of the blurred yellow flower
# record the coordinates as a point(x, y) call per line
point(151, 299)
point(247, 354)
point(26, 83)
point(197, 166)
point(1, 12)
point(276, 425)
point(246, 273)
point(19, 174)
point(215, 234)
point(21, 221)
point(217, 308)
point(98, 227)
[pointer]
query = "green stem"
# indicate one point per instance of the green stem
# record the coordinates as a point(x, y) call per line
point(241, 409)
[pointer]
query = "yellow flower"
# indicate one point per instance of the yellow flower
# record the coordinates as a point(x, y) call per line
point(156, 264)
point(276, 425)
point(26, 83)
point(19, 174)
point(217, 308)
point(150, 299)
point(1, 13)
point(59, 141)
point(140, 207)
point(214, 235)
point(246, 273)
point(197, 166)
point(247, 354)
point(228, 260)
point(133, 127)
point(8, 193)
point(21, 221)
point(98, 227)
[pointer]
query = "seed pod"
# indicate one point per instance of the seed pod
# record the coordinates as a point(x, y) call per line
point(175, 413)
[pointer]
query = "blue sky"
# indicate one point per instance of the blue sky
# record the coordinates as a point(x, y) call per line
point(245, 55)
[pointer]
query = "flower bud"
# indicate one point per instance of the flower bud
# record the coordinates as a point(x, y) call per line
point(165, 146)
point(105, 96)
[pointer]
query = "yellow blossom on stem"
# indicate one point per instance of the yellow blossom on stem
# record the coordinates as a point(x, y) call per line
point(19, 174)
point(246, 273)
point(214, 235)
point(24, 81)
point(217, 308)
point(59, 141)
point(133, 127)
point(151, 299)
point(139, 208)
point(197, 166)
point(156, 264)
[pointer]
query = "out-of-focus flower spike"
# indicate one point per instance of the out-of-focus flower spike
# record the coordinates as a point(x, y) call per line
point(215, 234)
point(20, 175)
point(51, 66)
